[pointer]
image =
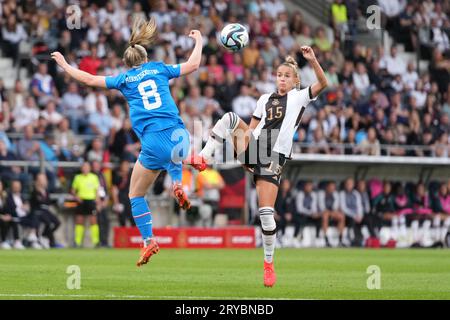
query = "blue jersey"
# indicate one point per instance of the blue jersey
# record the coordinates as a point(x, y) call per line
point(147, 91)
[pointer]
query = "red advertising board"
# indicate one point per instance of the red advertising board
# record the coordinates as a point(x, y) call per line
point(233, 237)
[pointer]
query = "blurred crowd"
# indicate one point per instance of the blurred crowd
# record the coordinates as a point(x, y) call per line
point(377, 103)
point(413, 214)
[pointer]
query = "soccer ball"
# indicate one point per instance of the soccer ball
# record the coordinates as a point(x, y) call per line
point(234, 37)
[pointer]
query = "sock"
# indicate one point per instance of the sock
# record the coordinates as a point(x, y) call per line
point(268, 232)
point(445, 229)
point(403, 231)
point(415, 230)
point(436, 228)
point(142, 216)
point(426, 229)
point(395, 227)
point(228, 122)
point(79, 234)
point(95, 234)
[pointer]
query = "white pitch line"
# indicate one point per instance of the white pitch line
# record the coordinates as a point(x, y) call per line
point(112, 296)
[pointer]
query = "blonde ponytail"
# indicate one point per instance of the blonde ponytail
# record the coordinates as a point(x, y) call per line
point(143, 34)
point(290, 62)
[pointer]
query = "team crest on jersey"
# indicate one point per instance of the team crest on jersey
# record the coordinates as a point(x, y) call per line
point(275, 102)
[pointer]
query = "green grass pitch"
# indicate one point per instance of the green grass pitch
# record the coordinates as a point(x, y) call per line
point(225, 274)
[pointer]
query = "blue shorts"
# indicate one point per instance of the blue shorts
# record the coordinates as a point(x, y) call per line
point(165, 150)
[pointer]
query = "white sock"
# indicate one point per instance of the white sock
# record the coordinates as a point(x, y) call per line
point(228, 123)
point(403, 231)
point(445, 229)
point(415, 230)
point(395, 227)
point(426, 229)
point(268, 232)
point(436, 229)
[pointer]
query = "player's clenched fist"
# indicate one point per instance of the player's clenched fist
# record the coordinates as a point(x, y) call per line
point(59, 58)
point(195, 34)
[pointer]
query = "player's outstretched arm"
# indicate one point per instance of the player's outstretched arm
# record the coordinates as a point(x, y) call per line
point(322, 82)
point(194, 60)
point(81, 76)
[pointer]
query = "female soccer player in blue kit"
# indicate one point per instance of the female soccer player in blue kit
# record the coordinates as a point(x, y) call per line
point(154, 117)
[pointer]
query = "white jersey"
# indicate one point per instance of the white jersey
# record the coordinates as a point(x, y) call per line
point(280, 117)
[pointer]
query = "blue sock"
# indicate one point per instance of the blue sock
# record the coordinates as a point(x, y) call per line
point(142, 216)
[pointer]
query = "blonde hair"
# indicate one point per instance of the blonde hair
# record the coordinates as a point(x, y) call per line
point(289, 61)
point(143, 34)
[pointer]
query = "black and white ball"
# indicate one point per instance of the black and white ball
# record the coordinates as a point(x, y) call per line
point(234, 37)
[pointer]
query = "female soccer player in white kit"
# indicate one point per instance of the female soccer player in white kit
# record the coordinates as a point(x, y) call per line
point(274, 123)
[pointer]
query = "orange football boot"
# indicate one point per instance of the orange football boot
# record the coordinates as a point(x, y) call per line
point(181, 196)
point(147, 251)
point(269, 274)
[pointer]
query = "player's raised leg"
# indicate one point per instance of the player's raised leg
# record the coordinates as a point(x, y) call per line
point(225, 126)
point(141, 179)
point(267, 194)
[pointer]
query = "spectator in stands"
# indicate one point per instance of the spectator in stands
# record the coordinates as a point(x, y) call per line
point(350, 142)
point(406, 33)
point(395, 65)
point(126, 145)
point(351, 205)
point(371, 146)
point(285, 208)
point(91, 63)
point(73, 107)
point(13, 172)
point(27, 147)
point(383, 209)
point(5, 219)
point(319, 143)
point(12, 34)
point(268, 52)
point(85, 188)
point(441, 211)
point(100, 121)
point(43, 86)
point(102, 204)
point(40, 203)
point(51, 115)
point(244, 104)
point(321, 40)
point(68, 145)
point(361, 187)
point(421, 200)
point(305, 38)
point(273, 7)
point(97, 150)
point(95, 101)
point(393, 149)
point(307, 209)
point(328, 203)
point(195, 100)
point(361, 79)
point(119, 193)
point(250, 54)
point(25, 115)
point(339, 17)
point(19, 211)
point(211, 183)
point(117, 119)
point(441, 148)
